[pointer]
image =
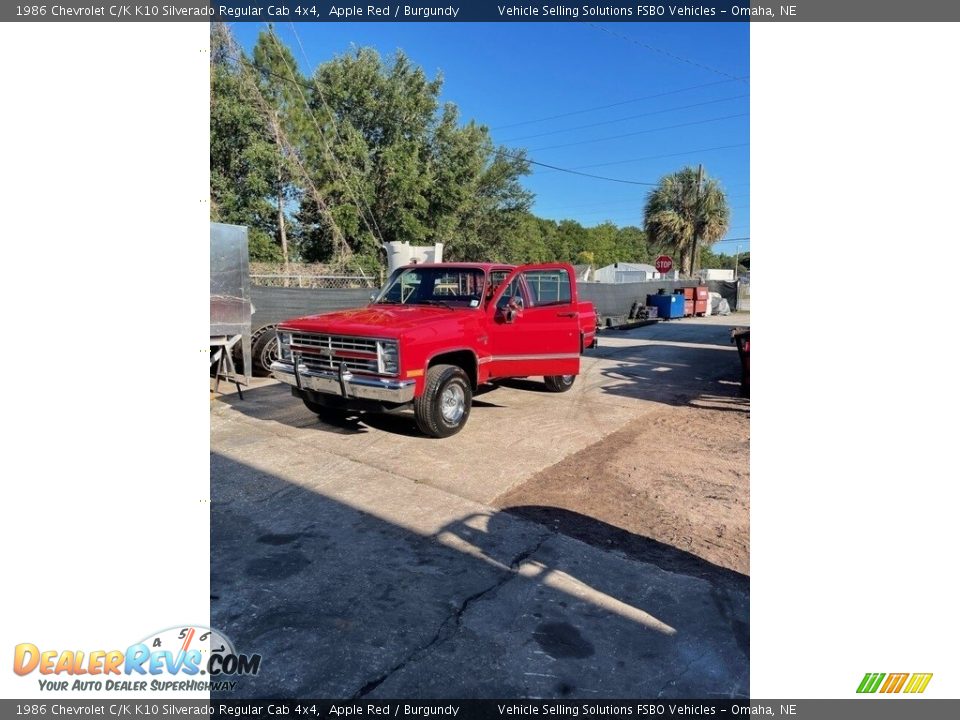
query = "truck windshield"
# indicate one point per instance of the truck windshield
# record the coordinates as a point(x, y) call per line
point(450, 287)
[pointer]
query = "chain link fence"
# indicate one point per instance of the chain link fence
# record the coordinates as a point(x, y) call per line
point(302, 275)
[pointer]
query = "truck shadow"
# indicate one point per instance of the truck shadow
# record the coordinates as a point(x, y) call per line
point(693, 365)
point(683, 330)
point(274, 403)
point(344, 603)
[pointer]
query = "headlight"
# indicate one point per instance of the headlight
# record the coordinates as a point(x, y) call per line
point(388, 357)
point(284, 341)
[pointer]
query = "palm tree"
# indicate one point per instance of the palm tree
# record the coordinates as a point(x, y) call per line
point(682, 212)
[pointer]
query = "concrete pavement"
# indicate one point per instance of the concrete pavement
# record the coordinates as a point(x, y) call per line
point(364, 560)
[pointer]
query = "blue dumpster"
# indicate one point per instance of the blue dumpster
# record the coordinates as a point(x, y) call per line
point(668, 306)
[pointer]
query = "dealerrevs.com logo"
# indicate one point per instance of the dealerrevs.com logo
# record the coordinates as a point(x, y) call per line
point(184, 659)
point(910, 683)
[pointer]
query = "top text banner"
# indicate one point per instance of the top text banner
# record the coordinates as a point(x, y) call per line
point(485, 11)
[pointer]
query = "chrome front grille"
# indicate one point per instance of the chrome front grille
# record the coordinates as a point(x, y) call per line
point(325, 353)
point(334, 342)
point(319, 363)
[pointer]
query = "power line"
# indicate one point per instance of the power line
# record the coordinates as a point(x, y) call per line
point(518, 155)
point(618, 104)
point(665, 155)
point(640, 132)
point(615, 203)
point(571, 171)
point(729, 240)
point(629, 117)
point(667, 53)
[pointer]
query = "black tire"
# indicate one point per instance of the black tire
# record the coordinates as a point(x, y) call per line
point(444, 407)
point(264, 352)
point(559, 383)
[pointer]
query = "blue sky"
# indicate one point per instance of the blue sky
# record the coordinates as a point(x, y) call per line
point(639, 100)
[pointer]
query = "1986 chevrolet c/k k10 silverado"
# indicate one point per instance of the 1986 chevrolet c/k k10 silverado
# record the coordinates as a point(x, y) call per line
point(433, 335)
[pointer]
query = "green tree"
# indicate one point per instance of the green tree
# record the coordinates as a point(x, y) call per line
point(397, 166)
point(525, 243)
point(680, 213)
point(243, 156)
point(601, 242)
point(632, 246)
point(569, 240)
point(283, 100)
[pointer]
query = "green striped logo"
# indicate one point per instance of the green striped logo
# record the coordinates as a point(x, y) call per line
point(895, 683)
point(871, 682)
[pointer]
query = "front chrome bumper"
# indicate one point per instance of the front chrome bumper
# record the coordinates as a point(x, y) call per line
point(344, 383)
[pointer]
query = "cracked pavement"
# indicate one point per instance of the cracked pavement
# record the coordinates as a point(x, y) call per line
point(365, 561)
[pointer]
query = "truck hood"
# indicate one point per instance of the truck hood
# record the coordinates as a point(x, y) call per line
point(374, 320)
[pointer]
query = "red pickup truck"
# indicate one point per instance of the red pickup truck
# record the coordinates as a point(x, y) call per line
point(433, 335)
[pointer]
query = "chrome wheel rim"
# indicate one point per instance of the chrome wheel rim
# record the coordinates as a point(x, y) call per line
point(452, 404)
point(567, 379)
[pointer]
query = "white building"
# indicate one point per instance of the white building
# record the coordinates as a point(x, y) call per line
point(716, 274)
point(403, 253)
point(626, 273)
point(584, 272)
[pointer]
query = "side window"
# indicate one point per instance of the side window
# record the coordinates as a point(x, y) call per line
point(497, 277)
point(548, 287)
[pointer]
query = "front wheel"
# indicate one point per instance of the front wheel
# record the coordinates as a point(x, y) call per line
point(444, 407)
point(559, 383)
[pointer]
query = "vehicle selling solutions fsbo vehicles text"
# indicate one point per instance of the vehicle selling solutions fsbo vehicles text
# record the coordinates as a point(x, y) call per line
point(640, 11)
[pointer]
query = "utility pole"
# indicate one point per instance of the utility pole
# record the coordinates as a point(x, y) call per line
point(696, 239)
point(736, 264)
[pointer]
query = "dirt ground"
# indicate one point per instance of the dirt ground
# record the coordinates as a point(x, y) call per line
point(671, 483)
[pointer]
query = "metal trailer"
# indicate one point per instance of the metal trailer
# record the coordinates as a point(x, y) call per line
point(229, 302)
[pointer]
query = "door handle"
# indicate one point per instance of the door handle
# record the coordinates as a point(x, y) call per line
point(567, 314)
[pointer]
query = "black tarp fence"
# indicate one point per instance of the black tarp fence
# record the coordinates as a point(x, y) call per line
point(615, 299)
point(274, 304)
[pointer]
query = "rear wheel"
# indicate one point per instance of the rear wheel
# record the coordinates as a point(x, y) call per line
point(444, 407)
point(559, 383)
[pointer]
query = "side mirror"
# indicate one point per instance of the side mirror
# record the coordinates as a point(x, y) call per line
point(513, 310)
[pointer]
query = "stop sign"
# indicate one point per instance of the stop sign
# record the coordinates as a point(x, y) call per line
point(664, 264)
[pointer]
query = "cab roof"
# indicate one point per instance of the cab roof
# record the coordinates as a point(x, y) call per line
point(486, 267)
